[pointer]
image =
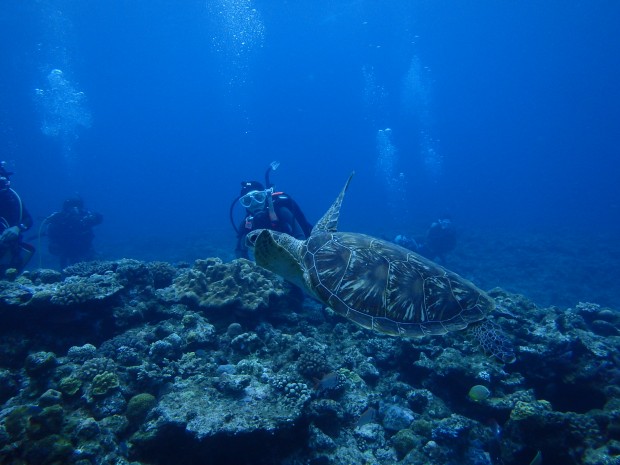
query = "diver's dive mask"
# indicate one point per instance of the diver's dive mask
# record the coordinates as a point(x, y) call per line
point(254, 199)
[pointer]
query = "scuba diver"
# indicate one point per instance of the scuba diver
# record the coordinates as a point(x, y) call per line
point(439, 241)
point(267, 209)
point(70, 232)
point(14, 220)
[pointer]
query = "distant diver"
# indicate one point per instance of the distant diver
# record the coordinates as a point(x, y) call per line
point(439, 241)
point(70, 232)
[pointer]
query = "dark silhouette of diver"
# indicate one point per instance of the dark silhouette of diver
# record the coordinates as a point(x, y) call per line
point(70, 232)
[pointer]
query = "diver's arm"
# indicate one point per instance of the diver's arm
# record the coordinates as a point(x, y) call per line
point(304, 224)
point(92, 219)
point(289, 224)
point(298, 232)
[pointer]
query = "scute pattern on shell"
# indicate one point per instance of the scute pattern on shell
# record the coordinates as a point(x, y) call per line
point(390, 289)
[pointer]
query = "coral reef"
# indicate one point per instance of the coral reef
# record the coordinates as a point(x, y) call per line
point(239, 285)
point(131, 362)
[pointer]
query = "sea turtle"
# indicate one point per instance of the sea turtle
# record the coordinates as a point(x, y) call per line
point(377, 284)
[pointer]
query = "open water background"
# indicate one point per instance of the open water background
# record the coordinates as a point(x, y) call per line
point(506, 115)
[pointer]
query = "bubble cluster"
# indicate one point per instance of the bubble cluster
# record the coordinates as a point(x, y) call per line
point(238, 32)
point(417, 102)
point(386, 159)
point(375, 94)
point(431, 158)
point(63, 107)
point(395, 182)
point(417, 91)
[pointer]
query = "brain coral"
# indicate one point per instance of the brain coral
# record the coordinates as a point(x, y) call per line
point(85, 269)
point(104, 383)
point(214, 284)
point(78, 290)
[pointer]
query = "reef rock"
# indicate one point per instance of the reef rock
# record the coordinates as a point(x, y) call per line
point(212, 284)
point(131, 362)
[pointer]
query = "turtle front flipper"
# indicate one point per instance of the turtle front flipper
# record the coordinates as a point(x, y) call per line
point(329, 221)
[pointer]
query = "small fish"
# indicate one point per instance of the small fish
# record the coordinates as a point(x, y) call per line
point(479, 393)
point(367, 416)
point(328, 382)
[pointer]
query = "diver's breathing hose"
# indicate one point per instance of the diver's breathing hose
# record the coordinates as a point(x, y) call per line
point(232, 220)
point(272, 167)
point(21, 205)
point(39, 239)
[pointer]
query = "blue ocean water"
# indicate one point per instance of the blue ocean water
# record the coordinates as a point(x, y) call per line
point(506, 115)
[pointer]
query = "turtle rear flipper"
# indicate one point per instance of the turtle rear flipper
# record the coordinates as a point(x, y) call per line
point(493, 340)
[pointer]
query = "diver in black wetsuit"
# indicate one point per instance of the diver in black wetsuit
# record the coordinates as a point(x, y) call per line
point(267, 209)
point(70, 232)
point(14, 220)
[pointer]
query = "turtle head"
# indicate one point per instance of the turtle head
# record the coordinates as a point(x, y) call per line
point(278, 253)
point(251, 237)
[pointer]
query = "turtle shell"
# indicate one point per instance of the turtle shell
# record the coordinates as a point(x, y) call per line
point(387, 288)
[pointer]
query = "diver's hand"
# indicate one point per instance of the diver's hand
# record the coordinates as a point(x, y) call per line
point(9, 235)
